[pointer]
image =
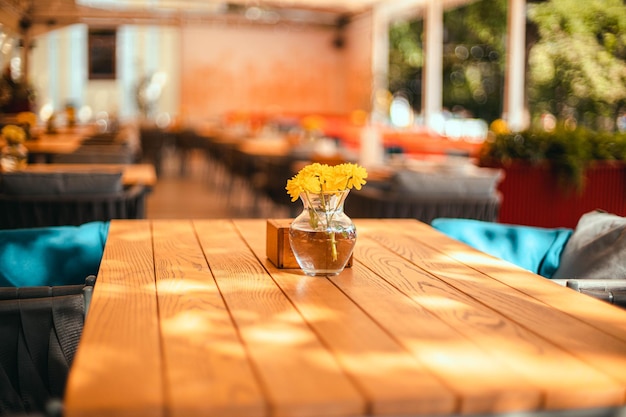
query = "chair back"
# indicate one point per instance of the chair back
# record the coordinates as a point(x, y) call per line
point(26, 211)
point(40, 328)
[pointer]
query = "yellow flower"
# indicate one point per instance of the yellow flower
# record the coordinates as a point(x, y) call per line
point(27, 117)
point(319, 178)
point(312, 123)
point(499, 127)
point(355, 175)
point(359, 117)
point(13, 134)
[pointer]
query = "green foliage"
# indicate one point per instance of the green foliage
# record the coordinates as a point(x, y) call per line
point(473, 61)
point(569, 152)
point(577, 69)
point(576, 66)
point(406, 59)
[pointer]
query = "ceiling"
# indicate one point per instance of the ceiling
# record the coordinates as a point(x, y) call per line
point(63, 12)
point(39, 16)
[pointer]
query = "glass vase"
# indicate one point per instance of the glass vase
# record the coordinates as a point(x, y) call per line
point(322, 236)
point(13, 157)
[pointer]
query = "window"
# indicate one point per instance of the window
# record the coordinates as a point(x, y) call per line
point(102, 61)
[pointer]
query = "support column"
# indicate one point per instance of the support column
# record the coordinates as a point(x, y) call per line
point(433, 65)
point(382, 15)
point(380, 61)
point(514, 89)
point(26, 48)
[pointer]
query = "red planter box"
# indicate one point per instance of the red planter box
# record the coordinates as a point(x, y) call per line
point(532, 195)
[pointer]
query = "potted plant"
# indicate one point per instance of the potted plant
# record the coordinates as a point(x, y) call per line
point(553, 177)
point(322, 236)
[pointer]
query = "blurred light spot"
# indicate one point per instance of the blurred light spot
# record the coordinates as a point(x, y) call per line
point(461, 52)
point(46, 111)
point(548, 122)
point(438, 123)
point(253, 13)
point(6, 48)
point(470, 130)
point(84, 114)
point(477, 52)
point(16, 68)
point(159, 78)
point(163, 120)
point(457, 78)
point(400, 112)
point(279, 334)
point(479, 96)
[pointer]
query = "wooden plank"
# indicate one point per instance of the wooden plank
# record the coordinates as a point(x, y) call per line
point(602, 315)
point(484, 385)
point(556, 352)
point(144, 174)
point(393, 381)
point(61, 143)
point(207, 370)
point(117, 369)
point(300, 377)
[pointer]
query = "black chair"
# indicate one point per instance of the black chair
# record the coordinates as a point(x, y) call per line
point(187, 141)
point(379, 203)
point(153, 141)
point(273, 173)
point(40, 328)
point(21, 211)
point(613, 291)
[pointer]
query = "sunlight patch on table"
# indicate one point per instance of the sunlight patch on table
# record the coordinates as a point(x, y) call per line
point(437, 302)
point(185, 286)
point(475, 258)
point(278, 334)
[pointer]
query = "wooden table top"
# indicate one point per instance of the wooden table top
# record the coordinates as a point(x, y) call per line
point(189, 317)
point(53, 144)
point(58, 143)
point(65, 140)
point(131, 173)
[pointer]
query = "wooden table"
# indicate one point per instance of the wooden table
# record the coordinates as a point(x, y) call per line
point(190, 318)
point(66, 140)
point(132, 174)
point(62, 142)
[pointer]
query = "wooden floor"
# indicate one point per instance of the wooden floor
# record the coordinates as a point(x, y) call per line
point(202, 192)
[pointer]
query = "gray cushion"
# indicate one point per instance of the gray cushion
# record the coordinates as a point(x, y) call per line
point(596, 249)
point(58, 183)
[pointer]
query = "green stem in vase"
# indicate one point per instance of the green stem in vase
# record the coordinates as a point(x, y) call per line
point(333, 245)
point(314, 220)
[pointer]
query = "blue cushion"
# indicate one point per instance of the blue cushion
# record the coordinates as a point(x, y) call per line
point(536, 249)
point(60, 255)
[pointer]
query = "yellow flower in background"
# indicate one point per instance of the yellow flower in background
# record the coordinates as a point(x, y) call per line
point(27, 117)
point(321, 178)
point(312, 123)
point(13, 134)
point(359, 117)
point(499, 127)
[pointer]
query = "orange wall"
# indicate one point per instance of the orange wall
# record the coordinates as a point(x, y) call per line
point(272, 69)
point(359, 80)
point(213, 69)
